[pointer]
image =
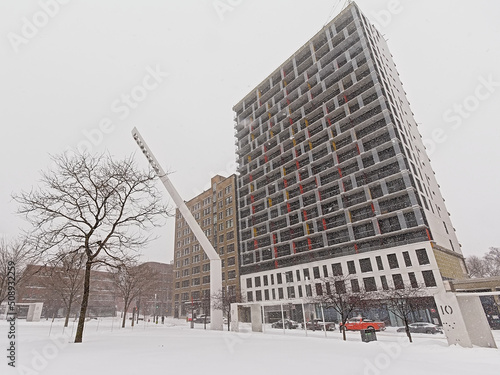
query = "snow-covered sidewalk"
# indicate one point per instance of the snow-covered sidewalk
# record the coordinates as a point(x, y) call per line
point(175, 348)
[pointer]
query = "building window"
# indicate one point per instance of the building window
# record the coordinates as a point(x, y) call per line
point(221, 227)
point(397, 279)
point(230, 235)
point(380, 266)
point(257, 281)
point(272, 279)
point(291, 292)
point(308, 291)
point(186, 261)
point(337, 269)
point(306, 273)
point(195, 270)
point(229, 223)
point(258, 295)
point(229, 199)
point(249, 296)
point(422, 257)
point(221, 238)
point(299, 288)
point(221, 250)
point(298, 275)
point(289, 277)
point(266, 294)
point(365, 265)
point(319, 289)
point(413, 280)
point(279, 278)
point(351, 267)
point(206, 267)
point(280, 293)
point(370, 285)
point(406, 257)
point(231, 274)
point(249, 282)
point(325, 271)
point(206, 279)
point(393, 261)
point(196, 281)
point(429, 279)
point(231, 261)
point(266, 280)
point(355, 285)
point(340, 287)
point(185, 284)
point(316, 272)
point(230, 247)
point(383, 280)
point(196, 259)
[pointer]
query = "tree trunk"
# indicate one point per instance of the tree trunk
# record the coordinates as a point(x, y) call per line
point(85, 302)
point(68, 312)
point(125, 309)
point(343, 329)
point(228, 320)
point(408, 333)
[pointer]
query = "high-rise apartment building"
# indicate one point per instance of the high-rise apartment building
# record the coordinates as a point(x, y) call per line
point(215, 212)
point(333, 174)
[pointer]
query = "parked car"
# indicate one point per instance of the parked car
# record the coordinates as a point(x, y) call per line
point(422, 327)
point(359, 323)
point(201, 319)
point(317, 325)
point(290, 324)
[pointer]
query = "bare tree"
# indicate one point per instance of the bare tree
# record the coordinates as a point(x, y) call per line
point(64, 279)
point(492, 259)
point(337, 292)
point(94, 206)
point(222, 300)
point(131, 281)
point(476, 266)
point(403, 302)
point(15, 256)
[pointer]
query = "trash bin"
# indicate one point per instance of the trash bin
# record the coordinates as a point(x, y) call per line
point(368, 335)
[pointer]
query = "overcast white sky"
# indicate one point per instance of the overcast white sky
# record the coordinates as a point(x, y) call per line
point(74, 69)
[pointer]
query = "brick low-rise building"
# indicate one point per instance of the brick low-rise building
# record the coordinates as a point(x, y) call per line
point(216, 213)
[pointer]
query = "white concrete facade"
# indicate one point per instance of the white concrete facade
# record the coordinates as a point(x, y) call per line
point(257, 291)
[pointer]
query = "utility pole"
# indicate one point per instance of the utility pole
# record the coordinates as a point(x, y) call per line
point(216, 320)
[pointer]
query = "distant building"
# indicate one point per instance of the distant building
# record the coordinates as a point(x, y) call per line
point(103, 298)
point(334, 176)
point(215, 211)
point(158, 301)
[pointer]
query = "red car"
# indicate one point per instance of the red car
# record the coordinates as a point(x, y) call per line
point(357, 324)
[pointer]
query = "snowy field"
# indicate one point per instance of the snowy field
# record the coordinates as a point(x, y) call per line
point(173, 347)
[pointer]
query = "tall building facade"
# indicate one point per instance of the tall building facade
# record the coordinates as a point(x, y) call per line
point(215, 211)
point(333, 174)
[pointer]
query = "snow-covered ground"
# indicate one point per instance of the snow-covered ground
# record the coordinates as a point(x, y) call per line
point(173, 347)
